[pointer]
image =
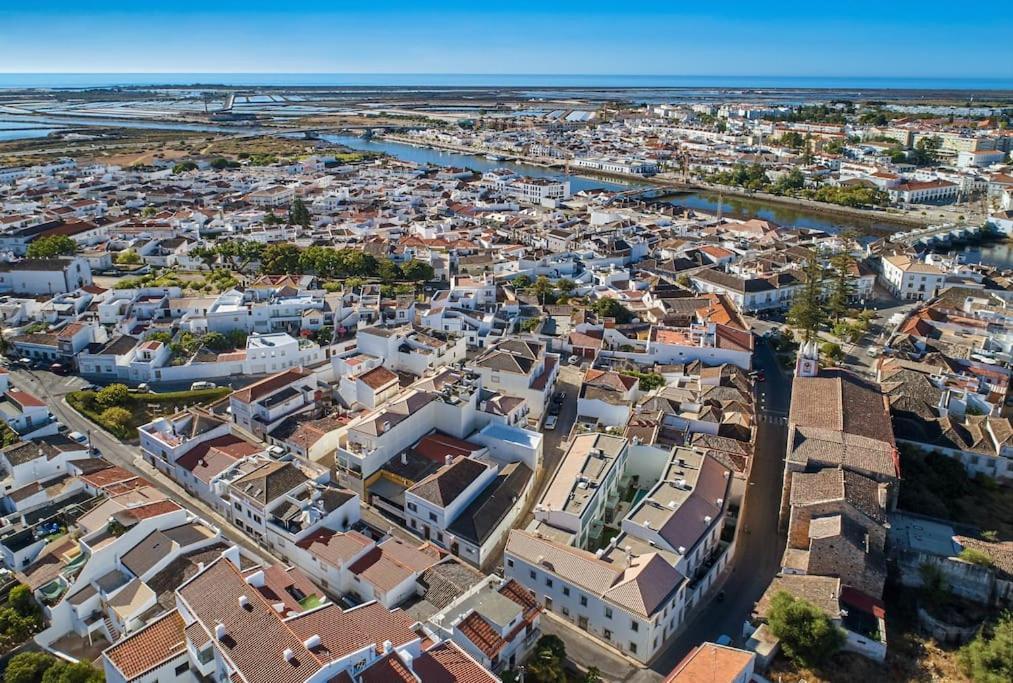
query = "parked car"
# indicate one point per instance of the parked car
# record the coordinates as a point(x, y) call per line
point(77, 436)
point(555, 409)
point(277, 451)
point(573, 360)
point(196, 386)
point(559, 397)
point(142, 388)
point(59, 369)
point(550, 423)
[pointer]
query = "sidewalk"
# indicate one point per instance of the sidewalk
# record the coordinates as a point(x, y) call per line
point(585, 651)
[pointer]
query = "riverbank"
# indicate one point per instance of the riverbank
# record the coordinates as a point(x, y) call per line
point(878, 219)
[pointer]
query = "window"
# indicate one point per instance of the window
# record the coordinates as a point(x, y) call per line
point(608, 612)
point(182, 668)
point(412, 507)
point(633, 648)
point(583, 601)
point(606, 634)
point(548, 582)
point(531, 573)
point(566, 590)
point(432, 516)
point(510, 563)
point(635, 625)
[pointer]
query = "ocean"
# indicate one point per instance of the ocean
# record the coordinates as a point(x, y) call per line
point(110, 80)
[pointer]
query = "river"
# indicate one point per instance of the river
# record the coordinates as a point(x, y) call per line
point(734, 206)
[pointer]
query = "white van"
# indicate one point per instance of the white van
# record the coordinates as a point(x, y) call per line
point(196, 386)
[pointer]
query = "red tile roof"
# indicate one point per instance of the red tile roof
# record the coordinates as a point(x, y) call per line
point(142, 651)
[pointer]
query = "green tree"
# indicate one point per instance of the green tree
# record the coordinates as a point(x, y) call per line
point(842, 287)
point(547, 663)
point(926, 151)
point(298, 214)
point(807, 635)
point(521, 281)
point(279, 259)
point(148, 212)
point(216, 341)
point(807, 313)
point(542, 288)
point(28, 667)
point(566, 286)
point(989, 657)
point(387, 270)
point(113, 395)
point(418, 271)
point(183, 167)
point(51, 246)
point(128, 257)
point(611, 308)
point(832, 351)
point(21, 601)
point(78, 672)
point(593, 675)
point(115, 417)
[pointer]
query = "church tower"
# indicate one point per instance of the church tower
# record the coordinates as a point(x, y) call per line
point(808, 363)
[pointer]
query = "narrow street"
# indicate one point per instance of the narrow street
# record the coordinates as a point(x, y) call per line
point(760, 546)
point(53, 388)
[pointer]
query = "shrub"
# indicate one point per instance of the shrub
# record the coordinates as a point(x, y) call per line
point(987, 658)
point(807, 635)
point(115, 417)
point(975, 556)
point(112, 395)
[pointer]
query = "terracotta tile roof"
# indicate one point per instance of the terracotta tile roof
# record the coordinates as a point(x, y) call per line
point(343, 632)
point(394, 561)
point(445, 485)
point(334, 547)
point(269, 385)
point(447, 663)
point(388, 669)
point(378, 377)
point(711, 663)
point(255, 636)
point(143, 650)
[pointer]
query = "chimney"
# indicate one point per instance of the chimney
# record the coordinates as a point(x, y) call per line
point(244, 601)
point(288, 654)
point(219, 631)
point(448, 459)
point(312, 642)
point(387, 647)
point(256, 579)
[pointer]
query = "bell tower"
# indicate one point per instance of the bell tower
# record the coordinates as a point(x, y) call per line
point(808, 363)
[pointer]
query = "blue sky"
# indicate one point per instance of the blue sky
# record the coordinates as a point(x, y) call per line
point(786, 38)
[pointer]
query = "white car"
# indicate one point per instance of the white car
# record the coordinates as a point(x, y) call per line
point(550, 423)
point(196, 386)
point(77, 436)
point(873, 351)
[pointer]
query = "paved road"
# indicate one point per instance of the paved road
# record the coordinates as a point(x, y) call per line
point(760, 546)
point(52, 389)
point(555, 442)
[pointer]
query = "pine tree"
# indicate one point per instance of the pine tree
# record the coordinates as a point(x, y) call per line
point(843, 286)
point(807, 313)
